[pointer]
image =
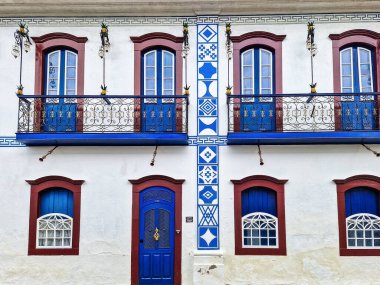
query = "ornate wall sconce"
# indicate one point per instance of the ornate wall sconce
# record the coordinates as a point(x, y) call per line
point(22, 43)
point(312, 47)
point(229, 56)
point(185, 53)
point(103, 50)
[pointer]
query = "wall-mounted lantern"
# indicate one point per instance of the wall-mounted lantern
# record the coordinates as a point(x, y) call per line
point(103, 50)
point(185, 53)
point(312, 47)
point(22, 43)
point(229, 56)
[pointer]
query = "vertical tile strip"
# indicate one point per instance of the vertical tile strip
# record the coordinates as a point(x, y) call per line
point(207, 126)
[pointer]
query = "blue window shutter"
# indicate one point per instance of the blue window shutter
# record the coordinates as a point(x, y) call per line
point(362, 200)
point(259, 199)
point(56, 200)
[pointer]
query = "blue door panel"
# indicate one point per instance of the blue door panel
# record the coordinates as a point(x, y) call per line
point(56, 200)
point(362, 200)
point(158, 115)
point(259, 199)
point(156, 257)
point(60, 116)
point(260, 114)
point(358, 114)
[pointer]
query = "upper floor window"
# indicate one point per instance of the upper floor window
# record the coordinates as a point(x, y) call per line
point(355, 71)
point(54, 219)
point(61, 72)
point(257, 72)
point(359, 215)
point(259, 216)
point(159, 72)
point(158, 77)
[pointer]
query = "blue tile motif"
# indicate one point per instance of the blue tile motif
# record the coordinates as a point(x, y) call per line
point(208, 237)
point(207, 140)
point(207, 194)
point(207, 107)
point(207, 70)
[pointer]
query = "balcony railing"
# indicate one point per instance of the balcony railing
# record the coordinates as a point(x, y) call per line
point(303, 118)
point(127, 119)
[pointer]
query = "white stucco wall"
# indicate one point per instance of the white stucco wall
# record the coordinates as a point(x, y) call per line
point(105, 234)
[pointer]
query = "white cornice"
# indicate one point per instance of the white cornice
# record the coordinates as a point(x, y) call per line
point(70, 8)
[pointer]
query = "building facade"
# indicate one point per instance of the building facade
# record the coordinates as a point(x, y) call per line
point(247, 178)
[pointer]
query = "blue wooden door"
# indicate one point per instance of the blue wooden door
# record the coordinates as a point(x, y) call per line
point(158, 79)
point(156, 251)
point(357, 76)
point(60, 80)
point(257, 113)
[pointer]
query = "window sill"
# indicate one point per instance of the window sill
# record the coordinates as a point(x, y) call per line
point(54, 251)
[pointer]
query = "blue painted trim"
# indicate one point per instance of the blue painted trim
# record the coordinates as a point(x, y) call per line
point(8, 141)
point(93, 139)
point(272, 138)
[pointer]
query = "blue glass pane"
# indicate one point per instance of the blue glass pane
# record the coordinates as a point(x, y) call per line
point(71, 72)
point(346, 69)
point(149, 72)
point(362, 200)
point(168, 92)
point(52, 84)
point(265, 57)
point(53, 72)
point(71, 59)
point(168, 59)
point(366, 82)
point(70, 92)
point(265, 83)
point(346, 90)
point(247, 83)
point(168, 84)
point(150, 59)
point(364, 56)
point(149, 83)
point(52, 92)
point(168, 72)
point(247, 58)
point(266, 71)
point(346, 56)
point(247, 71)
point(70, 84)
point(347, 82)
point(53, 59)
point(56, 200)
point(365, 69)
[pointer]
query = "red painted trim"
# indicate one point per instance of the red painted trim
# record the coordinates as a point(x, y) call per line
point(267, 40)
point(343, 185)
point(40, 185)
point(149, 41)
point(351, 37)
point(275, 185)
point(138, 186)
point(45, 44)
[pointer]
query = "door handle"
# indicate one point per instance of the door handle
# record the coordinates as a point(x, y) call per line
point(141, 240)
point(156, 235)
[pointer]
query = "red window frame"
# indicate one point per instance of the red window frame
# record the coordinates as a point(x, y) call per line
point(40, 185)
point(273, 43)
point(50, 42)
point(274, 184)
point(147, 42)
point(140, 185)
point(343, 185)
point(351, 37)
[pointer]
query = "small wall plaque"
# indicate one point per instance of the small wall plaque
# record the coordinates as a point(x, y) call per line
point(189, 219)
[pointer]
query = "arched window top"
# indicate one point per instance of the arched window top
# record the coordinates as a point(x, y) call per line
point(259, 230)
point(56, 200)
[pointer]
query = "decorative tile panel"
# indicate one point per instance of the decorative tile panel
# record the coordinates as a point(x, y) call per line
point(207, 140)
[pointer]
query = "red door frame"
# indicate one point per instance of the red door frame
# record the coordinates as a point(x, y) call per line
point(140, 185)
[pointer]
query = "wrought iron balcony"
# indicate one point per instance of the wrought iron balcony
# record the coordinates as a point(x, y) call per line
point(102, 120)
point(303, 118)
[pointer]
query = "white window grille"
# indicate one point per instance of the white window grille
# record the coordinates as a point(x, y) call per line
point(363, 231)
point(259, 230)
point(54, 231)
